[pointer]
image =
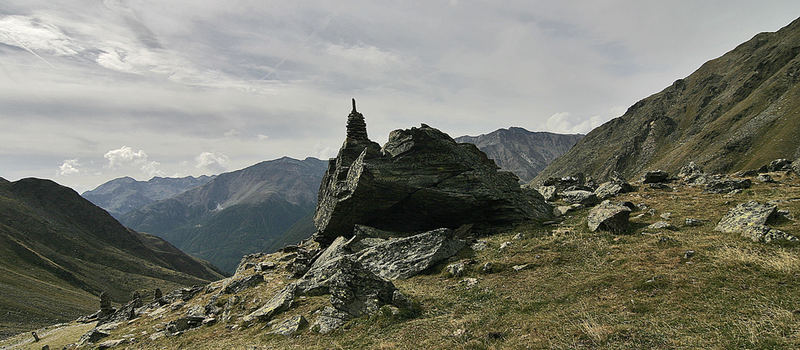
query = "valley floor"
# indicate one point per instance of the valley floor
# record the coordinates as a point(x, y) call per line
point(576, 289)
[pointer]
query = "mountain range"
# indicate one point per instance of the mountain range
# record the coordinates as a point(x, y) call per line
point(259, 208)
point(736, 112)
point(58, 252)
point(523, 152)
point(122, 195)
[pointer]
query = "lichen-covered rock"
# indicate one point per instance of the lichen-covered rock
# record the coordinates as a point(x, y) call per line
point(745, 216)
point(655, 176)
point(608, 216)
point(406, 257)
point(290, 326)
point(766, 234)
point(420, 180)
point(579, 197)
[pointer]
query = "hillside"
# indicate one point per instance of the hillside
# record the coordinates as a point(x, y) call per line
point(58, 251)
point(120, 196)
point(553, 287)
point(237, 213)
point(522, 152)
point(736, 112)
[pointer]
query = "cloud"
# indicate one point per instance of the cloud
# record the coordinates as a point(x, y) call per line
point(126, 157)
point(34, 35)
point(564, 122)
point(69, 167)
point(211, 161)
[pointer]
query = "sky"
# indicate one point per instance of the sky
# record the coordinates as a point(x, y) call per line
point(95, 90)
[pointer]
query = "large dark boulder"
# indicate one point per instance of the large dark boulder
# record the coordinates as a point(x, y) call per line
point(420, 180)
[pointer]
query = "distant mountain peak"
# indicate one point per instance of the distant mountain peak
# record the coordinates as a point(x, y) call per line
point(523, 152)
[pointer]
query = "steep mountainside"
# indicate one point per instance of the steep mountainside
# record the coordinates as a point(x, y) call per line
point(237, 213)
point(736, 112)
point(120, 196)
point(58, 251)
point(523, 152)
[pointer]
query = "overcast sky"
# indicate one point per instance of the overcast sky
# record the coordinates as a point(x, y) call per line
point(94, 90)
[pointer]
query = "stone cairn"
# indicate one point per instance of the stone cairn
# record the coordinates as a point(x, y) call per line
point(105, 304)
point(356, 126)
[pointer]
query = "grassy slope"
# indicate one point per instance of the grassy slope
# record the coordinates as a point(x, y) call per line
point(736, 112)
point(582, 289)
point(54, 261)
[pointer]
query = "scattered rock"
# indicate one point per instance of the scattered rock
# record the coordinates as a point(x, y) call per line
point(692, 174)
point(660, 186)
point(487, 268)
point(747, 173)
point(456, 269)
point(796, 166)
point(420, 180)
point(353, 288)
point(579, 197)
point(765, 178)
point(108, 344)
point(328, 319)
point(692, 222)
point(208, 321)
point(279, 302)
point(290, 326)
point(661, 225)
point(763, 233)
point(776, 165)
point(610, 189)
point(238, 285)
point(688, 254)
point(548, 193)
point(505, 245)
point(518, 236)
point(666, 216)
point(469, 282)
point(608, 217)
point(564, 209)
point(727, 185)
point(265, 266)
point(479, 246)
point(657, 176)
point(519, 267)
point(92, 336)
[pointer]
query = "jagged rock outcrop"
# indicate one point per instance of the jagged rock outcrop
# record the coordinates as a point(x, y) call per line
point(420, 180)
